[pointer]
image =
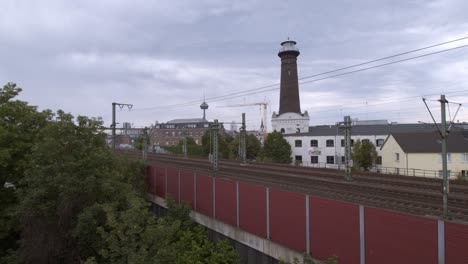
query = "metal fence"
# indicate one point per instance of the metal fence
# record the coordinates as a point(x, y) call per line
point(387, 170)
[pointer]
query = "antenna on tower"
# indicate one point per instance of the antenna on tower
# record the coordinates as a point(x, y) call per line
point(204, 105)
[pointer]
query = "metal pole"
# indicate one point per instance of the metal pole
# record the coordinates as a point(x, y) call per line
point(347, 123)
point(443, 101)
point(145, 145)
point(113, 125)
point(184, 147)
point(215, 145)
point(243, 140)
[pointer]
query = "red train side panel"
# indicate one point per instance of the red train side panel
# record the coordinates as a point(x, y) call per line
point(334, 229)
point(173, 183)
point(225, 204)
point(456, 243)
point(252, 209)
point(204, 203)
point(393, 237)
point(187, 188)
point(287, 219)
point(161, 182)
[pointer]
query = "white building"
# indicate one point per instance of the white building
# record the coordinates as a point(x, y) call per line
point(323, 146)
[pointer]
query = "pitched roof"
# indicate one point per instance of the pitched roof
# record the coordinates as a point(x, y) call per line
point(187, 120)
point(366, 130)
point(431, 142)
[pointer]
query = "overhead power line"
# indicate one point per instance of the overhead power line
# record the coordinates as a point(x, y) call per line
point(264, 89)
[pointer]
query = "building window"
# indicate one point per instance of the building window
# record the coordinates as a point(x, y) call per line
point(441, 174)
point(298, 143)
point(379, 142)
point(464, 157)
point(314, 143)
point(314, 159)
point(282, 131)
point(365, 140)
point(464, 174)
point(330, 143)
point(343, 143)
point(378, 161)
point(397, 156)
point(449, 158)
point(343, 159)
point(298, 158)
point(330, 159)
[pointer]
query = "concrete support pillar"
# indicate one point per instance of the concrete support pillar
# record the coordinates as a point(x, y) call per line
point(307, 224)
point(214, 197)
point(155, 182)
point(194, 191)
point(178, 186)
point(441, 241)
point(237, 203)
point(268, 212)
point(165, 182)
point(362, 244)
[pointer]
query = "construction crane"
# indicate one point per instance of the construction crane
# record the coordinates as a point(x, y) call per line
point(264, 106)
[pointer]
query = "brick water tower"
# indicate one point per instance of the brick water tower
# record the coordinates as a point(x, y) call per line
point(289, 118)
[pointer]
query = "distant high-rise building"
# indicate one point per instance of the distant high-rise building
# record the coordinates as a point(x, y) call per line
point(289, 118)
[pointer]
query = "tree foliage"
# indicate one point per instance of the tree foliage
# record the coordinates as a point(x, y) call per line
point(277, 149)
point(364, 154)
point(223, 144)
point(253, 146)
point(74, 201)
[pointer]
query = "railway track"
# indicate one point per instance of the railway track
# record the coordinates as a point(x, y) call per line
point(413, 195)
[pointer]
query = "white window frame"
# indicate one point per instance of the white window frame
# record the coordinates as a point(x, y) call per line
point(464, 157)
point(311, 162)
point(449, 158)
point(296, 145)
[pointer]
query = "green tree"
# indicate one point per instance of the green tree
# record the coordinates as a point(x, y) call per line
point(20, 124)
point(76, 202)
point(364, 154)
point(277, 149)
point(223, 145)
point(253, 147)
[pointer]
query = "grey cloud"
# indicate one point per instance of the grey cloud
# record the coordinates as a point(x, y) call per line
point(82, 55)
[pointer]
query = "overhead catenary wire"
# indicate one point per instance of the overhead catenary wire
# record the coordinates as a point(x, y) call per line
point(268, 88)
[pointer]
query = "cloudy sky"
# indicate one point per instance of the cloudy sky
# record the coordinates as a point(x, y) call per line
point(163, 56)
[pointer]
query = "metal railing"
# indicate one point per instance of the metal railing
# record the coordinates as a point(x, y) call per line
point(383, 170)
